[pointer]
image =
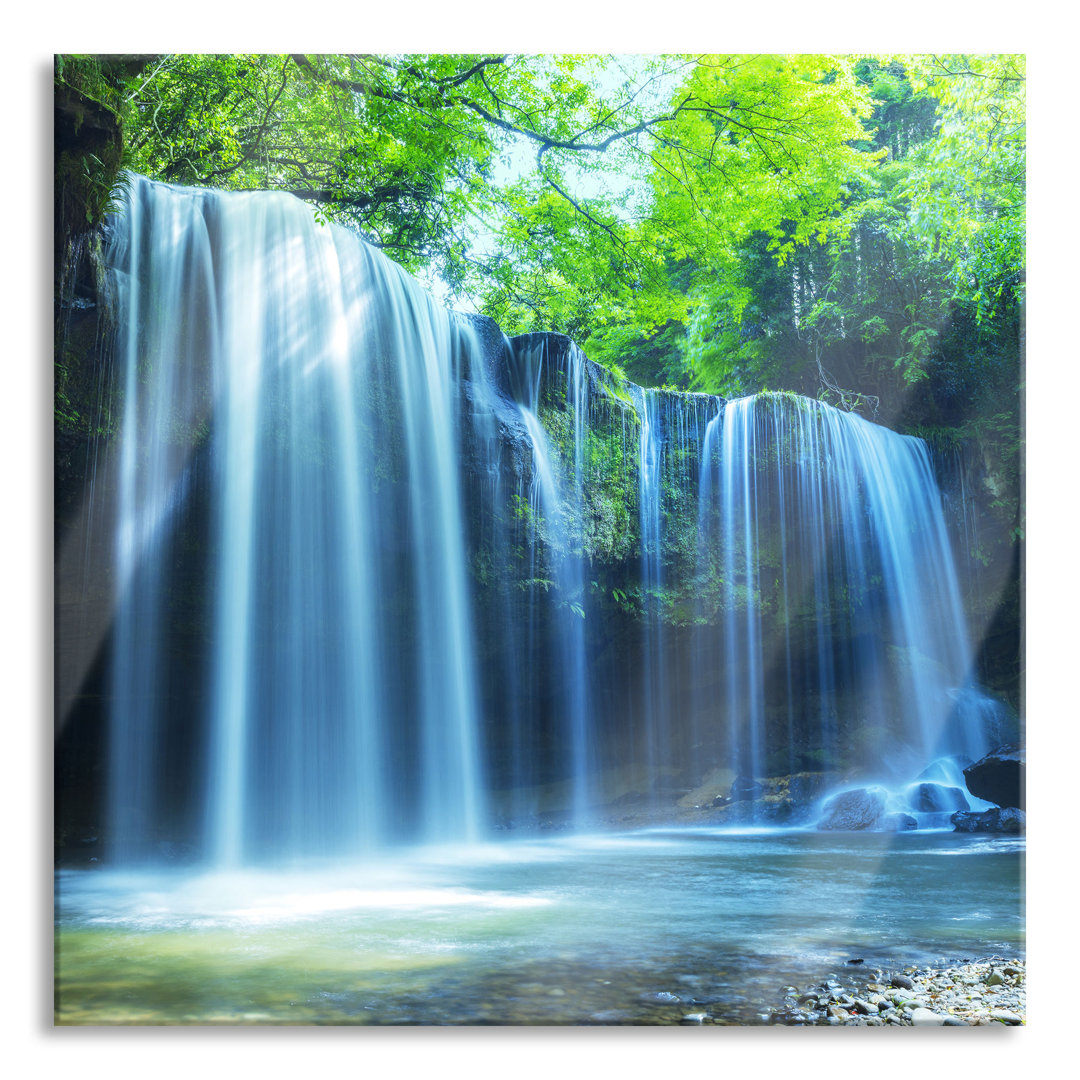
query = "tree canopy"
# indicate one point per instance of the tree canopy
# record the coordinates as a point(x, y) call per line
point(838, 225)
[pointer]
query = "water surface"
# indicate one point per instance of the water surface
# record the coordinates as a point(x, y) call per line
point(639, 928)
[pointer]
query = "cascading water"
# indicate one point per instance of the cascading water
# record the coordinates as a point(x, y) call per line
point(672, 429)
point(314, 388)
point(835, 611)
point(650, 495)
point(556, 498)
point(379, 580)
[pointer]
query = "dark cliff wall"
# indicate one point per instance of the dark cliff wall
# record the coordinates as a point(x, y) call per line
point(982, 502)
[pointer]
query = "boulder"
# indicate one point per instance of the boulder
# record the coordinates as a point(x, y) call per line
point(746, 787)
point(999, 777)
point(855, 810)
point(932, 798)
point(1008, 820)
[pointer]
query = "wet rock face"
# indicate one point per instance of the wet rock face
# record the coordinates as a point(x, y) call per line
point(1007, 820)
point(88, 147)
point(1000, 777)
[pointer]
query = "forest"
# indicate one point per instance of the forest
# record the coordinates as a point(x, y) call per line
point(845, 226)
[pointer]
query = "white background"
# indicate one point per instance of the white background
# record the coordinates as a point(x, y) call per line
point(30, 1046)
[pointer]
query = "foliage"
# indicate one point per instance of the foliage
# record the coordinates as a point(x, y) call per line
point(967, 185)
point(909, 307)
point(555, 190)
point(825, 224)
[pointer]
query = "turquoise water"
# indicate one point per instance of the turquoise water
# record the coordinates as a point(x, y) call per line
point(638, 928)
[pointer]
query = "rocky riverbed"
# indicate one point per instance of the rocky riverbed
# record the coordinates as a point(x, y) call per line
point(991, 991)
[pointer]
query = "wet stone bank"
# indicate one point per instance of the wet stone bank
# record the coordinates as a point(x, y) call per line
point(991, 991)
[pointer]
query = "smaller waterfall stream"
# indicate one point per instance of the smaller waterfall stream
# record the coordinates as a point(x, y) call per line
point(672, 430)
point(650, 496)
point(557, 501)
point(838, 610)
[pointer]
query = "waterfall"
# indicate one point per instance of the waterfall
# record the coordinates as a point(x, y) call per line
point(672, 431)
point(382, 576)
point(830, 594)
point(556, 499)
point(315, 390)
point(650, 494)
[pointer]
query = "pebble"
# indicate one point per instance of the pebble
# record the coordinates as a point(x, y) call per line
point(920, 1017)
point(990, 991)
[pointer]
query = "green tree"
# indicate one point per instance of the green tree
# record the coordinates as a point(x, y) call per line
point(932, 223)
point(556, 191)
point(967, 189)
point(727, 222)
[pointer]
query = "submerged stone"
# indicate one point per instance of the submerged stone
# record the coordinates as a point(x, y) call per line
point(855, 810)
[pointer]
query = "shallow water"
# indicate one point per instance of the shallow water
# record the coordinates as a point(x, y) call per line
point(638, 928)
